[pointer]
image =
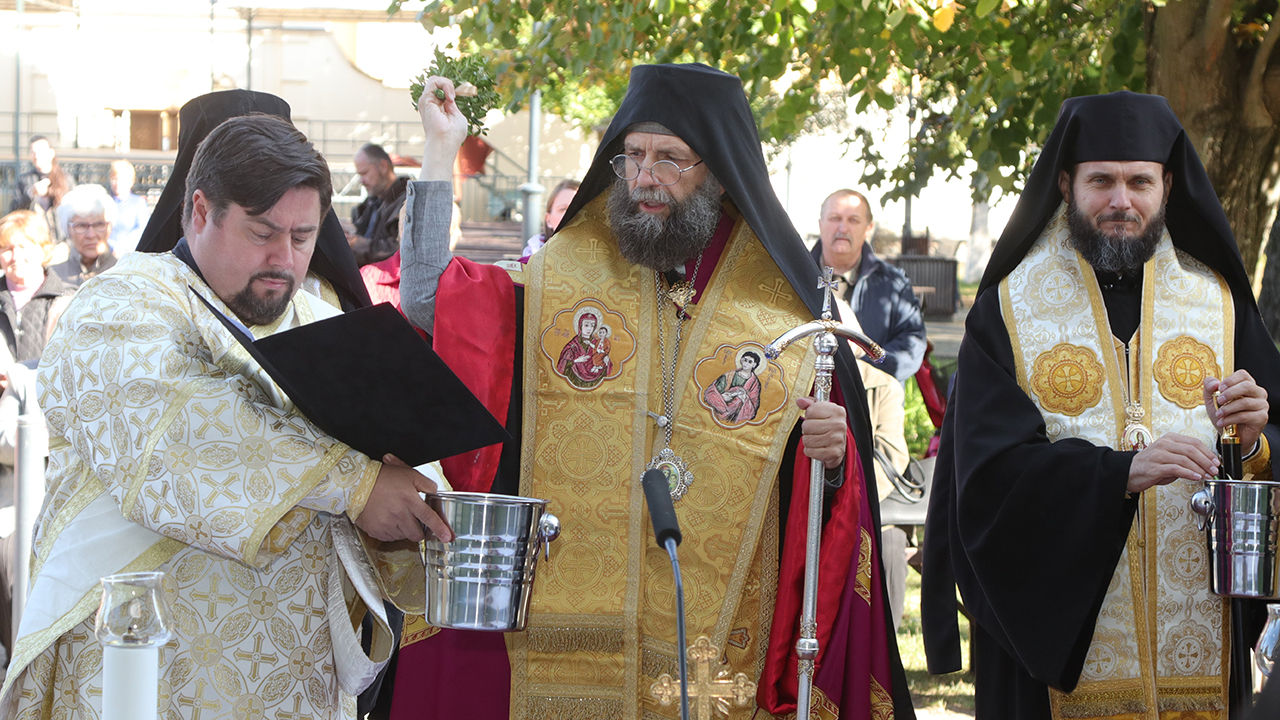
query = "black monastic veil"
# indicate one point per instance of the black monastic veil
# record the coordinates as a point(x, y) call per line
point(332, 259)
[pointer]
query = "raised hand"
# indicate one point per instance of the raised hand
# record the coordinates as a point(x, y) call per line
point(444, 128)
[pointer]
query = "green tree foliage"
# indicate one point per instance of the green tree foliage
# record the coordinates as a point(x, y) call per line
point(982, 81)
point(987, 79)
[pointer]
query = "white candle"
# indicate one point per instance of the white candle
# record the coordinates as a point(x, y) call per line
point(130, 682)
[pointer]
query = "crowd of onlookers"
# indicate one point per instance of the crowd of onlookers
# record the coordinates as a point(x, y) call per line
point(56, 236)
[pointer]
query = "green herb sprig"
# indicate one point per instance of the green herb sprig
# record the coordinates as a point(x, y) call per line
point(465, 69)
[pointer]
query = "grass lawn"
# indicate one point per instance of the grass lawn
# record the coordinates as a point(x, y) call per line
point(953, 692)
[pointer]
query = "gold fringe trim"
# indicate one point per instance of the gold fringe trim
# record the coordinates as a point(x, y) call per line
point(564, 640)
point(563, 708)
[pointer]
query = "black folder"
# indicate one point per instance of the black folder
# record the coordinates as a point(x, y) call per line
point(368, 379)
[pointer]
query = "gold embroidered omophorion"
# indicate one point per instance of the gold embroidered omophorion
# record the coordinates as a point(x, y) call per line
point(602, 622)
point(1160, 648)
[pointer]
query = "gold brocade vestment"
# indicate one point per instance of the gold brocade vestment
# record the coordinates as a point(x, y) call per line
point(602, 625)
point(1160, 647)
point(172, 450)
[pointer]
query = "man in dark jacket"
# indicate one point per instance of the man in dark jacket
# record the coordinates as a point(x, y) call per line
point(377, 219)
point(878, 292)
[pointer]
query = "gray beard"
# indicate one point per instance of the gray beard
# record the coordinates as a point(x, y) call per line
point(663, 243)
point(1111, 252)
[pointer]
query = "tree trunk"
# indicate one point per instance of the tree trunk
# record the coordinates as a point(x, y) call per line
point(1269, 298)
point(1194, 62)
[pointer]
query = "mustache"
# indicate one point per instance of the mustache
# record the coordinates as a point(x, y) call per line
point(652, 194)
point(1119, 216)
point(272, 275)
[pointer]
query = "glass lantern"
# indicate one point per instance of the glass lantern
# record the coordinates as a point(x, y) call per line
point(134, 611)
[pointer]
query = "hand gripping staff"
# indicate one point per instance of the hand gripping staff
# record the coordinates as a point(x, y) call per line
point(824, 332)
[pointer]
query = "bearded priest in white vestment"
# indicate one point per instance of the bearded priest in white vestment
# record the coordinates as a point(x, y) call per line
point(171, 450)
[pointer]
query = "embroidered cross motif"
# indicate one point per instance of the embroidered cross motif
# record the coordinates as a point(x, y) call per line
point(212, 418)
point(141, 358)
point(262, 603)
point(213, 598)
point(160, 501)
point(776, 291)
point(297, 710)
point(86, 371)
point(309, 610)
point(257, 657)
point(197, 702)
point(313, 559)
point(592, 251)
point(219, 487)
point(144, 424)
point(300, 663)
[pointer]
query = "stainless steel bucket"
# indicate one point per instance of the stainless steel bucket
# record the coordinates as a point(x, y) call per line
point(1241, 519)
point(483, 579)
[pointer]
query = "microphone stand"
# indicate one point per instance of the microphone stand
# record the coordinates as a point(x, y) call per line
point(680, 636)
point(666, 530)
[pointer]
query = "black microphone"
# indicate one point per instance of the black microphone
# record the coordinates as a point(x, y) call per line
point(657, 494)
point(666, 529)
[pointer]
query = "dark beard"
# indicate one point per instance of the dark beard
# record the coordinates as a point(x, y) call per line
point(1113, 252)
point(255, 310)
point(663, 243)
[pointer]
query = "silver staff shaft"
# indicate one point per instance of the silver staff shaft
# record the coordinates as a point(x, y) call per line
point(825, 342)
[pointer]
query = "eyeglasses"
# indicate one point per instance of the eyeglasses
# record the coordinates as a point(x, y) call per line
point(82, 228)
point(663, 172)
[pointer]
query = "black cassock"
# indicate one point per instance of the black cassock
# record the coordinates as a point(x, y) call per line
point(1043, 523)
point(1031, 531)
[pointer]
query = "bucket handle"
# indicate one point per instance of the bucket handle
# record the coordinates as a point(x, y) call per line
point(1202, 505)
point(548, 530)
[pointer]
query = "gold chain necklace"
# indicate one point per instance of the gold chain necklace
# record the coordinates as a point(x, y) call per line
point(679, 477)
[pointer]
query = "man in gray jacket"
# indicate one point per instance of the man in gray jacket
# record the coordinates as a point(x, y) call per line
point(879, 293)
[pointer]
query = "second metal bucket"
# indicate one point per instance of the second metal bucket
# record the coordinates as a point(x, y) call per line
point(1241, 519)
point(483, 579)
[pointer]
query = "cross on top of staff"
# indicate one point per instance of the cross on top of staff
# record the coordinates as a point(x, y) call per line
point(827, 285)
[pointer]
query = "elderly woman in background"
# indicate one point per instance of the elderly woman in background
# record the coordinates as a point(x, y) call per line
point(85, 216)
point(32, 298)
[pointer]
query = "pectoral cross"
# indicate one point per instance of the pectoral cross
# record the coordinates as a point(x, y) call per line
point(709, 694)
point(828, 285)
point(681, 294)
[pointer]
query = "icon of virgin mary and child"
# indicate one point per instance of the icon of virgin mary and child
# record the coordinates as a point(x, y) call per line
point(585, 360)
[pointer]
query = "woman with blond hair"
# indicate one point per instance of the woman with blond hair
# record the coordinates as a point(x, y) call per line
point(31, 301)
point(32, 298)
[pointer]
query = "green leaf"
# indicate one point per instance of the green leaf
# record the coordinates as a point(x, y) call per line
point(984, 7)
point(895, 17)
